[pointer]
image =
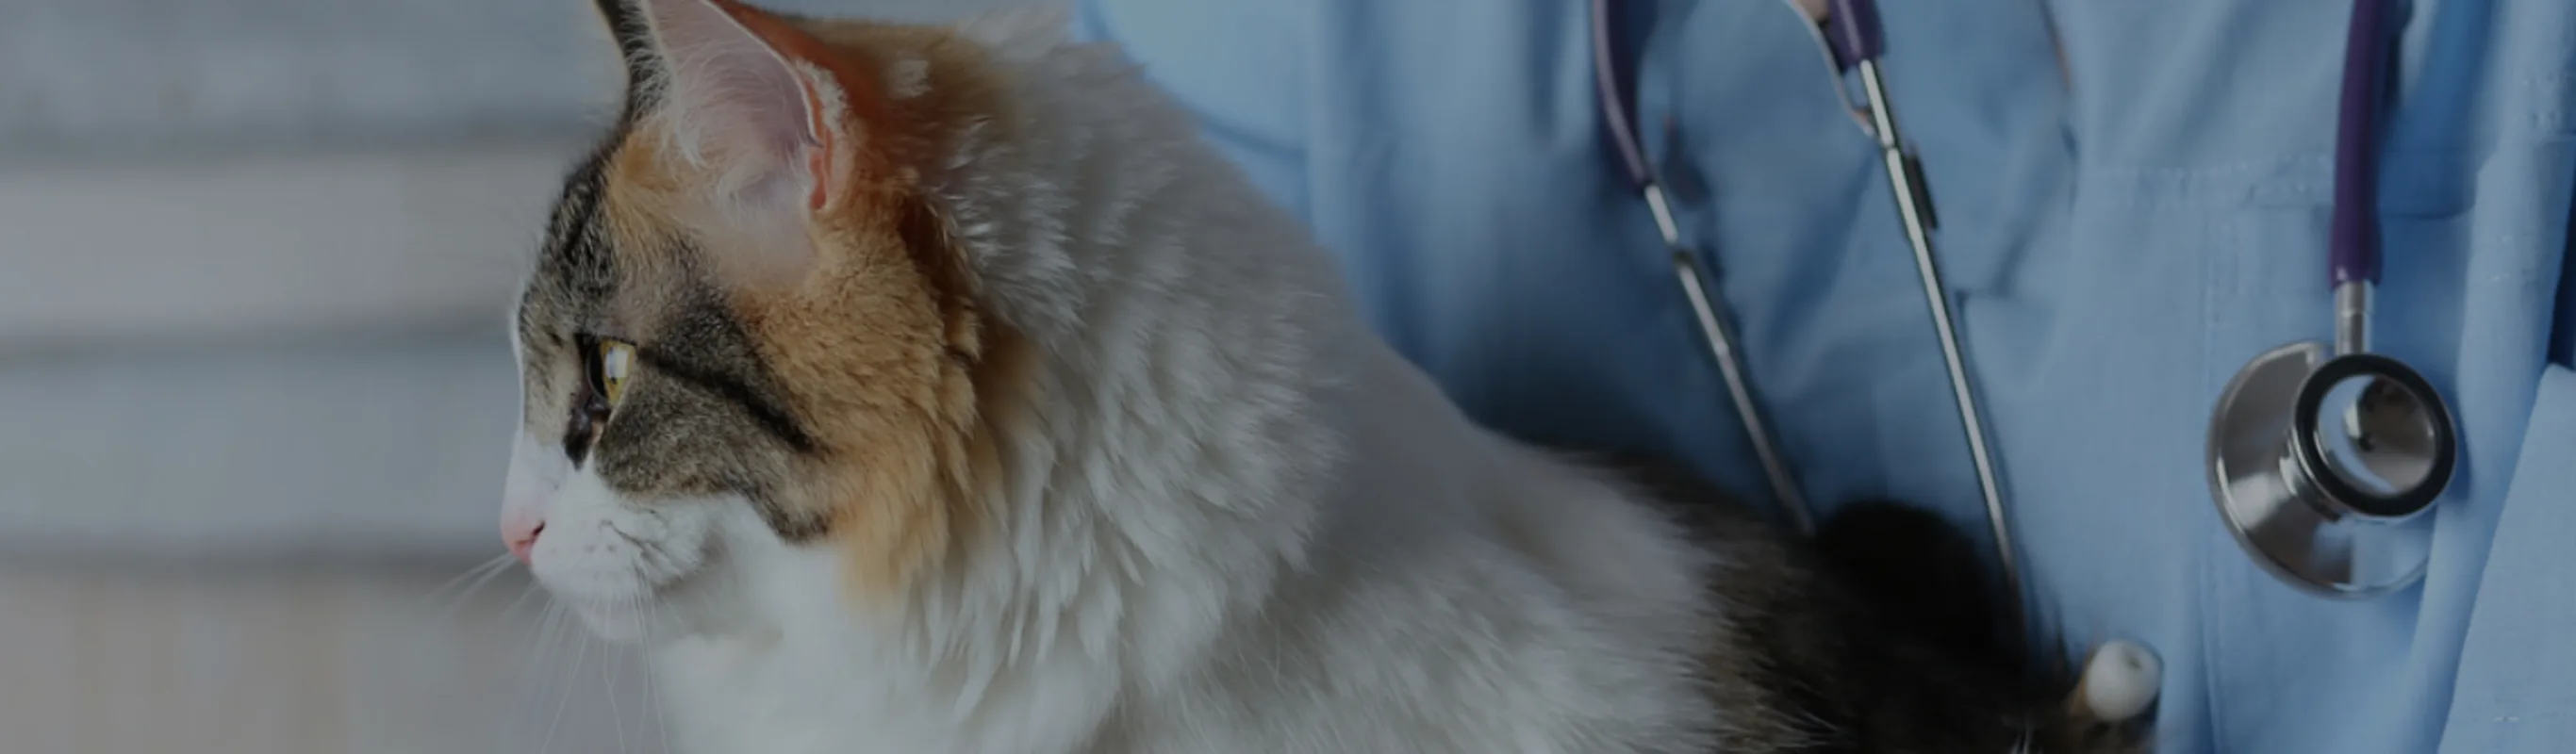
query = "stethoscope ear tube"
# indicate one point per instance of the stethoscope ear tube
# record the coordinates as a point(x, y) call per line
point(1708, 308)
point(1855, 41)
point(1720, 337)
point(1850, 37)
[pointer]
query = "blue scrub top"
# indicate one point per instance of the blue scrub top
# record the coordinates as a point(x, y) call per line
point(2133, 198)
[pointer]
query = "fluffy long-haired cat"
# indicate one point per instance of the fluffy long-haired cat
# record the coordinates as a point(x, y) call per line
point(934, 389)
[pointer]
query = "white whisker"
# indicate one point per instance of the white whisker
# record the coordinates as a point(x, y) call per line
point(549, 622)
point(491, 572)
point(580, 652)
point(608, 683)
point(653, 688)
point(481, 570)
point(530, 589)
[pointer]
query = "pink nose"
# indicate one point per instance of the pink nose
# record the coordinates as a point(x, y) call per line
point(522, 537)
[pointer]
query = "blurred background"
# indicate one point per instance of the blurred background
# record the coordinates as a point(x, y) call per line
point(255, 391)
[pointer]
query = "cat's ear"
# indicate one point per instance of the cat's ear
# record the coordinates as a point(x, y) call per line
point(741, 93)
point(634, 47)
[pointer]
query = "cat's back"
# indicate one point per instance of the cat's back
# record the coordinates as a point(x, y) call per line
point(1464, 592)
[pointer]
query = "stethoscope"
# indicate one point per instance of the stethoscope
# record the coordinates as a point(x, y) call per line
point(1847, 31)
point(2322, 457)
point(2330, 507)
point(2120, 679)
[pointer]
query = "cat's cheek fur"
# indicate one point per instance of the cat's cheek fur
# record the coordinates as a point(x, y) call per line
point(615, 562)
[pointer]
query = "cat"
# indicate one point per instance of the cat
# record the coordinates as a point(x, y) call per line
point(914, 388)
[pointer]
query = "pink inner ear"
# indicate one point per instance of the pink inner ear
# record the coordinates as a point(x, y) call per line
point(818, 159)
point(818, 164)
point(732, 100)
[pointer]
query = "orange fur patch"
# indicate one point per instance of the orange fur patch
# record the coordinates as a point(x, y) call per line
point(878, 339)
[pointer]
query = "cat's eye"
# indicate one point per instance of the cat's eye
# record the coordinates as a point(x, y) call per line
point(616, 365)
point(607, 366)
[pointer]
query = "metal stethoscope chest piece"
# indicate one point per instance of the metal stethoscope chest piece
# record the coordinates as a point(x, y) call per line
point(2322, 457)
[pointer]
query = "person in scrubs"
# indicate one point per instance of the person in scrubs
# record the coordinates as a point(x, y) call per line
point(2133, 202)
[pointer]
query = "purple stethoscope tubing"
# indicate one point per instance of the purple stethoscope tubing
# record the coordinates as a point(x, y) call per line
point(1707, 307)
point(2354, 241)
point(1613, 90)
point(1852, 38)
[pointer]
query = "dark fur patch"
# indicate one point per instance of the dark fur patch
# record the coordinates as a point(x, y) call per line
point(635, 46)
point(1909, 562)
point(704, 346)
point(1875, 638)
point(577, 270)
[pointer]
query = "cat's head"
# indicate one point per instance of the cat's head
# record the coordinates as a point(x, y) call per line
point(750, 332)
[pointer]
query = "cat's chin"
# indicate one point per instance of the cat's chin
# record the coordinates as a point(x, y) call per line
point(673, 612)
point(628, 622)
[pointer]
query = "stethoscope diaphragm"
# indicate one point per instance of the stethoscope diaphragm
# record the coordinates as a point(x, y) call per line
point(2322, 458)
point(2321, 467)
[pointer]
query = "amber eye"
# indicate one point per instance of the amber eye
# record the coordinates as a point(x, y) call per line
point(616, 362)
